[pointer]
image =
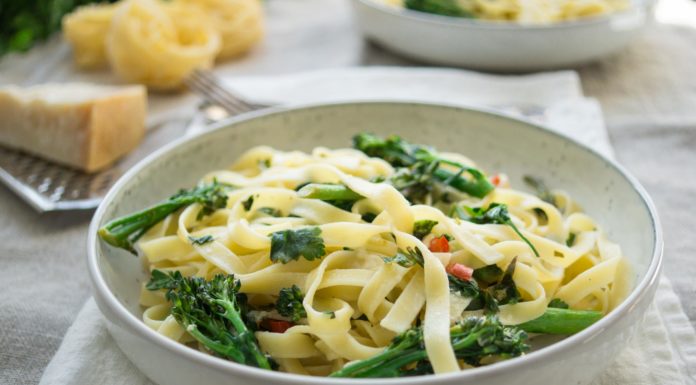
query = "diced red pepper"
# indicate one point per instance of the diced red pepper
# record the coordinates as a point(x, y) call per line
point(495, 179)
point(439, 245)
point(276, 325)
point(460, 271)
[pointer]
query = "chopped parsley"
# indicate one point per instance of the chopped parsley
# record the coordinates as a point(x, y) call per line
point(290, 245)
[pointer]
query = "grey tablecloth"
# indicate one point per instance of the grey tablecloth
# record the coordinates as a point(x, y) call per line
point(649, 97)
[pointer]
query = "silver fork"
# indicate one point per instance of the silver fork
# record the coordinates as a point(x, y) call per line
point(206, 84)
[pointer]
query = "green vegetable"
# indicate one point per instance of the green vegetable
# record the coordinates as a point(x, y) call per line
point(571, 240)
point(328, 192)
point(539, 186)
point(495, 213)
point(212, 312)
point(488, 274)
point(423, 227)
point(473, 339)
point(558, 303)
point(201, 240)
point(289, 245)
point(423, 165)
point(418, 183)
point(439, 7)
point(270, 211)
point(369, 217)
point(289, 303)
point(23, 23)
point(125, 231)
point(465, 288)
point(505, 291)
point(248, 203)
point(334, 194)
point(406, 258)
point(499, 292)
point(331, 314)
point(561, 321)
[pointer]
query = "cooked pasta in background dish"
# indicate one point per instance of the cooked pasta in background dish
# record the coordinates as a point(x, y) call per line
point(388, 259)
point(521, 11)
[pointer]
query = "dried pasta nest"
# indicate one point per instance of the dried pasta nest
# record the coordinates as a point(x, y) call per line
point(159, 44)
point(86, 30)
point(240, 23)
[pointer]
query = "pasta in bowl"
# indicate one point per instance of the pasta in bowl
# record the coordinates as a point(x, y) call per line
point(503, 35)
point(388, 259)
point(515, 11)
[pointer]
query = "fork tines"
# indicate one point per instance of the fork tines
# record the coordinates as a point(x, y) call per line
point(206, 84)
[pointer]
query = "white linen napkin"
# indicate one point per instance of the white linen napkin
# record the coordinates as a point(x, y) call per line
point(663, 352)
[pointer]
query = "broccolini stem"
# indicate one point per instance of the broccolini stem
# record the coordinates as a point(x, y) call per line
point(227, 351)
point(125, 231)
point(400, 154)
point(472, 339)
point(478, 187)
point(362, 368)
point(233, 315)
point(561, 321)
point(328, 192)
point(393, 367)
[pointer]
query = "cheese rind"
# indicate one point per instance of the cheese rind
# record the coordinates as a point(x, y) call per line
point(80, 125)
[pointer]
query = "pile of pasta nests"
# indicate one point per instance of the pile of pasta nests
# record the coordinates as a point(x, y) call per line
point(159, 43)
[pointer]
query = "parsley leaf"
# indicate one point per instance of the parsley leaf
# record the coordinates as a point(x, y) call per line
point(290, 245)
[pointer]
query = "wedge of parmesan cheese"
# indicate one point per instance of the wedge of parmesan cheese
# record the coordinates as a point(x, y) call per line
point(81, 125)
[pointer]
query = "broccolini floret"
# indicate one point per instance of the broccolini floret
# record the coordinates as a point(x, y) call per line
point(419, 167)
point(213, 313)
point(289, 303)
point(473, 339)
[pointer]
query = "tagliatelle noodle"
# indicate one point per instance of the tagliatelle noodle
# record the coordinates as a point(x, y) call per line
point(354, 300)
point(534, 11)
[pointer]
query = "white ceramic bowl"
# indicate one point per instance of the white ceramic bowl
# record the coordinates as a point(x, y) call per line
point(497, 46)
point(496, 142)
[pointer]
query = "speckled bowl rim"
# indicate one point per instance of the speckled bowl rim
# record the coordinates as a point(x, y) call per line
point(136, 325)
point(424, 17)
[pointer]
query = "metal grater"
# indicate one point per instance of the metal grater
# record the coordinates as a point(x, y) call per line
point(47, 186)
